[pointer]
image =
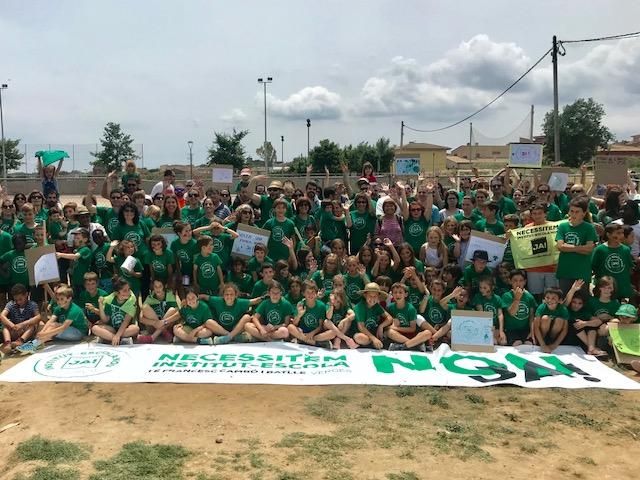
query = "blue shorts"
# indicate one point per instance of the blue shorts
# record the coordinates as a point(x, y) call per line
point(70, 334)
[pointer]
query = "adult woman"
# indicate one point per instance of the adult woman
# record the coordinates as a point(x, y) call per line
point(389, 225)
point(131, 228)
point(19, 199)
point(363, 223)
point(303, 215)
point(8, 216)
point(416, 223)
point(209, 214)
point(243, 214)
point(451, 205)
point(158, 200)
point(36, 199)
point(614, 200)
point(170, 211)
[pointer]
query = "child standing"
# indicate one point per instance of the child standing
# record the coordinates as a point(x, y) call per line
point(184, 248)
point(490, 222)
point(81, 258)
point(550, 324)
point(477, 270)
point(487, 301)
point(613, 259)
point(207, 269)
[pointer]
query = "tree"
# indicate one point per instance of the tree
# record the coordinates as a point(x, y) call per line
point(267, 153)
point(116, 148)
point(299, 164)
point(384, 153)
point(227, 149)
point(326, 154)
point(581, 132)
point(380, 154)
point(12, 155)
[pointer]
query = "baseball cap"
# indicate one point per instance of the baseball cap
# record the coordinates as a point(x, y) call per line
point(627, 310)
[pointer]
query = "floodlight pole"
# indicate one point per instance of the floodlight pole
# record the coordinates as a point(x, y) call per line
point(556, 121)
point(4, 86)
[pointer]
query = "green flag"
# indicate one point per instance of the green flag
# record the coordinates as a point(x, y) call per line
point(51, 156)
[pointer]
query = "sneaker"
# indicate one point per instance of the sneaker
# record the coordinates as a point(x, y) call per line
point(126, 341)
point(419, 348)
point(167, 334)
point(30, 347)
point(325, 344)
point(144, 339)
point(222, 340)
point(243, 337)
point(205, 341)
point(394, 347)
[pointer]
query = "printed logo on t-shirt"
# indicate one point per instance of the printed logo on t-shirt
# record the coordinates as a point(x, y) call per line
point(274, 318)
point(310, 321)
point(158, 266)
point(191, 320)
point(489, 308)
point(133, 237)
point(404, 322)
point(226, 318)
point(217, 245)
point(415, 229)
point(19, 265)
point(183, 255)
point(614, 263)
point(352, 290)
point(436, 316)
point(113, 223)
point(523, 311)
point(207, 270)
point(572, 238)
point(277, 233)
point(100, 261)
point(359, 223)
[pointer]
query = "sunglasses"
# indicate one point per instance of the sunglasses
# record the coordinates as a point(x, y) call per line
point(193, 195)
point(577, 191)
point(415, 209)
point(7, 206)
point(158, 197)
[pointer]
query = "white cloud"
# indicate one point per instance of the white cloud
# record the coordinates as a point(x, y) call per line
point(314, 102)
point(234, 116)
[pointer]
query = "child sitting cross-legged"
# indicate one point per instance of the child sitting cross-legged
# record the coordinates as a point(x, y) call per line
point(160, 312)
point(307, 325)
point(117, 315)
point(195, 314)
point(67, 322)
point(550, 324)
point(272, 317)
point(403, 331)
point(20, 318)
point(371, 318)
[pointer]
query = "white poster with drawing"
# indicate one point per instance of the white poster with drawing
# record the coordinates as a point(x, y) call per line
point(248, 238)
point(42, 265)
point(558, 181)
point(525, 155)
point(222, 175)
point(472, 331)
point(493, 245)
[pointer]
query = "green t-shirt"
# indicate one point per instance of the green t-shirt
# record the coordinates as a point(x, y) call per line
point(222, 245)
point(56, 232)
point(26, 231)
point(330, 229)
point(109, 218)
point(553, 213)
point(84, 298)
point(415, 233)
point(404, 315)
point(138, 234)
point(575, 265)
point(73, 313)
point(243, 281)
point(352, 287)
point(415, 297)
point(474, 218)
point(583, 314)
point(617, 263)
point(116, 312)
point(506, 206)
point(253, 265)
point(519, 321)
point(259, 289)
point(228, 316)
point(293, 300)
point(301, 224)
point(369, 316)
point(434, 313)
point(279, 230)
point(158, 264)
point(134, 282)
point(82, 265)
point(496, 228)
point(266, 209)
point(208, 278)
point(598, 308)
point(185, 253)
point(8, 225)
point(191, 215)
point(323, 280)
point(275, 313)
point(362, 224)
point(103, 268)
point(160, 307)
point(492, 304)
point(166, 222)
point(559, 312)
point(17, 264)
point(129, 176)
point(313, 316)
point(472, 278)
point(6, 242)
point(194, 317)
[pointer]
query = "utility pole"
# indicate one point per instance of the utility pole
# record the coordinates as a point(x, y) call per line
point(282, 149)
point(556, 121)
point(531, 125)
point(190, 143)
point(308, 136)
point(470, 142)
point(401, 134)
point(264, 82)
point(4, 86)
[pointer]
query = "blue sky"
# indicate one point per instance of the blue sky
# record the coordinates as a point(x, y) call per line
point(171, 71)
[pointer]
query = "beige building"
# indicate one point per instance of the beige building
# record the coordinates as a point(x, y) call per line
point(433, 158)
point(484, 152)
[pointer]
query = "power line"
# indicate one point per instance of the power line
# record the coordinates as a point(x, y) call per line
point(602, 39)
point(488, 104)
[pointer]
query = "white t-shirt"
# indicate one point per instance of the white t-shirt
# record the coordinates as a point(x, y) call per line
point(159, 188)
point(635, 248)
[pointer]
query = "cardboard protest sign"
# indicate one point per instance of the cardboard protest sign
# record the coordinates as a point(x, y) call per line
point(42, 265)
point(472, 331)
point(484, 241)
point(248, 237)
point(535, 246)
point(611, 170)
point(409, 166)
point(168, 233)
point(525, 155)
point(222, 175)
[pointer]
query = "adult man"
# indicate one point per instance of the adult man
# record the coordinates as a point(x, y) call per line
point(265, 202)
point(109, 215)
point(83, 217)
point(165, 186)
point(505, 205)
point(311, 189)
point(221, 210)
point(544, 194)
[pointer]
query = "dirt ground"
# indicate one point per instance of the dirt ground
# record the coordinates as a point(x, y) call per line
point(341, 432)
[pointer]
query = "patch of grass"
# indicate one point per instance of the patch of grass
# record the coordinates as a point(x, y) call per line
point(461, 440)
point(256, 460)
point(142, 461)
point(406, 391)
point(337, 398)
point(50, 451)
point(289, 476)
point(323, 409)
point(213, 476)
point(126, 418)
point(572, 419)
point(51, 473)
point(320, 447)
point(402, 476)
point(338, 475)
point(586, 461)
point(528, 449)
point(437, 399)
point(475, 399)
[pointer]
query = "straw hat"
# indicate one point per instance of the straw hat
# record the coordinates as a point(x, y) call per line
point(373, 287)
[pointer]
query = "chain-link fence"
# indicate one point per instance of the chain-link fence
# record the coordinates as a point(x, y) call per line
point(79, 160)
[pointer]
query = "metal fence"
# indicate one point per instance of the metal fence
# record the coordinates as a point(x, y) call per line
point(79, 160)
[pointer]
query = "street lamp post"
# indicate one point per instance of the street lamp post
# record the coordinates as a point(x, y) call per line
point(264, 82)
point(190, 143)
point(4, 153)
point(281, 148)
point(308, 135)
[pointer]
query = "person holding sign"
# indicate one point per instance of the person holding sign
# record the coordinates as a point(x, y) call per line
point(487, 301)
point(575, 241)
point(540, 278)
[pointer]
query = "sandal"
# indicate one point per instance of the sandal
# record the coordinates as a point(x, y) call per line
point(598, 353)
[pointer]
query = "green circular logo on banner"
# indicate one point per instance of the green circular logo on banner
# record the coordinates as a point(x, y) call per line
point(78, 364)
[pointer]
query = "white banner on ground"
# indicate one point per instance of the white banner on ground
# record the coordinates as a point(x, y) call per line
point(289, 364)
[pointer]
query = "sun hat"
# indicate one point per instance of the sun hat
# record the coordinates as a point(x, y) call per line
point(627, 310)
point(81, 210)
point(373, 287)
point(276, 184)
point(480, 255)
